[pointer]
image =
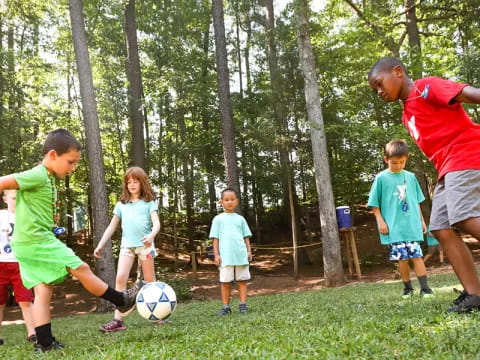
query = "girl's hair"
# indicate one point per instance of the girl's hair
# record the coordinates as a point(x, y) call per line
point(137, 173)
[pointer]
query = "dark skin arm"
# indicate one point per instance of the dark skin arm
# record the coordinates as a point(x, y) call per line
point(469, 95)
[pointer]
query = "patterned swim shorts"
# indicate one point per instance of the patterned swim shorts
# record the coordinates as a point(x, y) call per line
point(405, 250)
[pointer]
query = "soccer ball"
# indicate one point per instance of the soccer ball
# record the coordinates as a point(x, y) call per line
point(156, 301)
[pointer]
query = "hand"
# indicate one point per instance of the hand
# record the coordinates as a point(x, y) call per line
point(98, 252)
point(218, 260)
point(147, 240)
point(249, 257)
point(424, 227)
point(383, 227)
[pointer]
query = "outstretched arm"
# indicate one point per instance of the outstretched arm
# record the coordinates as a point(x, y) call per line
point(106, 236)
point(469, 95)
point(8, 182)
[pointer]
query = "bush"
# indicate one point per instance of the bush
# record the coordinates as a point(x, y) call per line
point(182, 287)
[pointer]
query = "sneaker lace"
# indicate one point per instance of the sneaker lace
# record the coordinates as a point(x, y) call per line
point(463, 295)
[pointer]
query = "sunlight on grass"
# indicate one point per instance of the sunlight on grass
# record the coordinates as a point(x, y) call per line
point(360, 321)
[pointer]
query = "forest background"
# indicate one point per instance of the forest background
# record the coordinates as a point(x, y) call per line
point(158, 101)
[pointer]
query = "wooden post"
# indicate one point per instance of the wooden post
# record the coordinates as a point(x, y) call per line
point(351, 249)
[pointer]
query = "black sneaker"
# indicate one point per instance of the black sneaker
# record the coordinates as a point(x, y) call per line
point(224, 311)
point(129, 297)
point(243, 308)
point(55, 345)
point(1, 341)
point(426, 293)
point(465, 303)
point(460, 297)
point(407, 293)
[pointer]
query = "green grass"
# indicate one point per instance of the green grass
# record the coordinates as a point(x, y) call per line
point(364, 321)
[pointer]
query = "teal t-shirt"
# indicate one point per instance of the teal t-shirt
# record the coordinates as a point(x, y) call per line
point(36, 199)
point(431, 241)
point(231, 229)
point(389, 193)
point(136, 220)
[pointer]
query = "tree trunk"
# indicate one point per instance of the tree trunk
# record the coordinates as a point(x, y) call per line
point(289, 195)
point(332, 260)
point(105, 266)
point(228, 127)
point(134, 76)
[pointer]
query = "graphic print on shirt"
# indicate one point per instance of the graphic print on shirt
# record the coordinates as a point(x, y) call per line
point(412, 129)
point(7, 249)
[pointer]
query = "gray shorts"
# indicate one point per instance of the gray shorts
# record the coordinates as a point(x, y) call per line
point(456, 198)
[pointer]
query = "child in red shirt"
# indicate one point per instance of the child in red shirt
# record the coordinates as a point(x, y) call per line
point(443, 130)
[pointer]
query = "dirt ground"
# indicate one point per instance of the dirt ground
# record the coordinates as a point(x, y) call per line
point(272, 272)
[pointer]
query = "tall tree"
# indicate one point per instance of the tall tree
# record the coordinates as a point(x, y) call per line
point(104, 267)
point(134, 76)
point(332, 260)
point(290, 195)
point(228, 127)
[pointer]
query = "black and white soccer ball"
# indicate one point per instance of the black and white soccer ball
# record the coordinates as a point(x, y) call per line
point(156, 301)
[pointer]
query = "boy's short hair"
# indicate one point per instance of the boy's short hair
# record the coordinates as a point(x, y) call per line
point(62, 141)
point(228, 189)
point(386, 64)
point(396, 148)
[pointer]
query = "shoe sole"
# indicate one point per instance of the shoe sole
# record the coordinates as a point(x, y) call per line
point(116, 329)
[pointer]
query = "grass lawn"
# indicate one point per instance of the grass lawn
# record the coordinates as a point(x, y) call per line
point(364, 321)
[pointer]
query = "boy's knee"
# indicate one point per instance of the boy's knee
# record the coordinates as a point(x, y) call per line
point(82, 268)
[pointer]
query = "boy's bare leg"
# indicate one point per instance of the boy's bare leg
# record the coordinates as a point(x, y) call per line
point(242, 291)
point(426, 258)
point(419, 267)
point(404, 270)
point(440, 255)
point(225, 289)
point(459, 255)
point(27, 307)
point(41, 304)
point(91, 282)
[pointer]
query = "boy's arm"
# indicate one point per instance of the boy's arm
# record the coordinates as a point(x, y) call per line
point(249, 249)
point(8, 182)
point(216, 254)
point(382, 225)
point(424, 226)
point(469, 94)
point(106, 236)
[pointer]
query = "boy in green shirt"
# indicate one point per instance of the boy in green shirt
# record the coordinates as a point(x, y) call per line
point(395, 199)
point(44, 260)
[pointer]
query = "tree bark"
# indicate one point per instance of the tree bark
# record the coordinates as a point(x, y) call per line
point(104, 267)
point(134, 76)
point(332, 260)
point(228, 127)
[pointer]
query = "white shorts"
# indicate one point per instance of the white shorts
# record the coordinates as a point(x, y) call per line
point(229, 274)
point(143, 253)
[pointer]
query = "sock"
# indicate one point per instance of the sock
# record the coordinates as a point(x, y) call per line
point(113, 296)
point(407, 284)
point(242, 303)
point(226, 306)
point(44, 334)
point(423, 281)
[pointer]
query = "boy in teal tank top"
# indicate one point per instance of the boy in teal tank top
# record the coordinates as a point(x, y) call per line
point(395, 199)
point(44, 260)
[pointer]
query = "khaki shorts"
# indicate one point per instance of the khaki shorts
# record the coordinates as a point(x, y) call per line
point(229, 274)
point(143, 253)
point(456, 198)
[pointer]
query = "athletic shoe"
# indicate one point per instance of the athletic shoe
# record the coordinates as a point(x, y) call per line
point(465, 303)
point(55, 345)
point(32, 338)
point(407, 293)
point(243, 308)
point(1, 341)
point(113, 325)
point(129, 297)
point(426, 293)
point(224, 311)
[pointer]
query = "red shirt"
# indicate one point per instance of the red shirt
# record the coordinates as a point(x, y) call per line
point(441, 127)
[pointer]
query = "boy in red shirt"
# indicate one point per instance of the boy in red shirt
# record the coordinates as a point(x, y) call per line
point(442, 129)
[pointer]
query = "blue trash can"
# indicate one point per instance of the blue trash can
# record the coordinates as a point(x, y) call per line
point(344, 218)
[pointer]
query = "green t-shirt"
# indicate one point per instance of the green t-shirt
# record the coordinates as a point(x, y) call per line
point(389, 193)
point(35, 205)
point(231, 229)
